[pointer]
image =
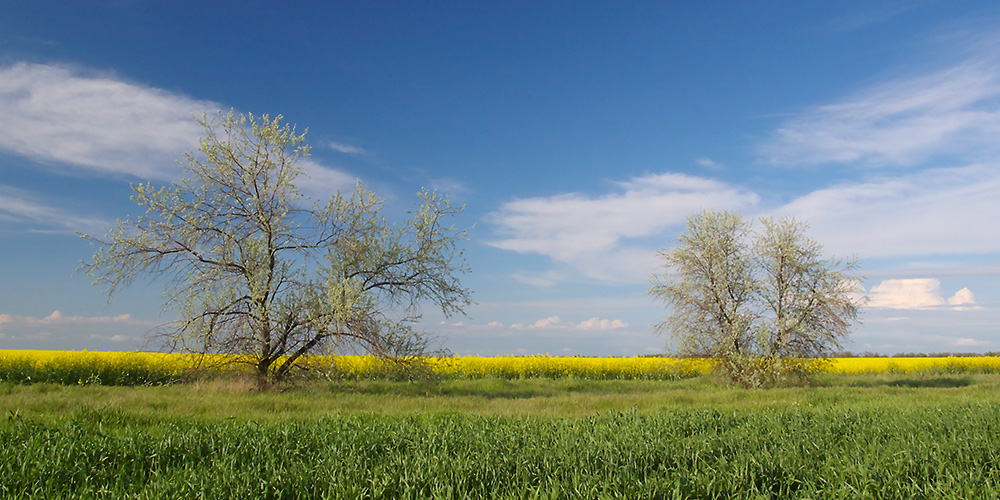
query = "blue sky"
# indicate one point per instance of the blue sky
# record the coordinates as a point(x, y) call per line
point(580, 136)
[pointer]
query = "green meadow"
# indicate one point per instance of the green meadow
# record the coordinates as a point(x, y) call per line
point(928, 435)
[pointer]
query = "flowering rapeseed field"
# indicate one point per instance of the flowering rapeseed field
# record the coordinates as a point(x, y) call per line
point(964, 364)
point(85, 367)
point(135, 368)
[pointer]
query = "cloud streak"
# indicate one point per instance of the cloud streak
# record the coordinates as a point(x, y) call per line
point(57, 318)
point(23, 208)
point(557, 323)
point(65, 119)
point(341, 147)
point(121, 332)
point(937, 211)
point(952, 111)
point(593, 233)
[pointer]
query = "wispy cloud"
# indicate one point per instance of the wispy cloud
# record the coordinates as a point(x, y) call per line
point(592, 233)
point(952, 111)
point(120, 332)
point(57, 115)
point(544, 279)
point(948, 211)
point(323, 182)
point(346, 148)
point(872, 14)
point(69, 118)
point(557, 323)
point(26, 209)
point(57, 318)
point(449, 187)
point(601, 324)
point(708, 163)
point(937, 211)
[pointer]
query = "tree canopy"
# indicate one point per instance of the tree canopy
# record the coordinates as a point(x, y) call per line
point(253, 270)
point(762, 304)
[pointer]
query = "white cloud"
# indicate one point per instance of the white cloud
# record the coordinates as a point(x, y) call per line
point(601, 324)
point(592, 232)
point(321, 183)
point(109, 126)
point(924, 293)
point(549, 322)
point(906, 294)
point(544, 323)
point(104, 125)
point(951, 111)
point(937, 211)
point(962, 297)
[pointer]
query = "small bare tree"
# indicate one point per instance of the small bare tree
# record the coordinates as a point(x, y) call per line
point(764, 310)
point(255, 272)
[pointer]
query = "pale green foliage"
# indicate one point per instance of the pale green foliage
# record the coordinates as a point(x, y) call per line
point(810, 302)
point(765, 306)
point(254, 272)
point(713, 288)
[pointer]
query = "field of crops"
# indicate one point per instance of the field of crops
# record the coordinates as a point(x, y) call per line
point(924, 452)
point(105, 425)
point(134, 368)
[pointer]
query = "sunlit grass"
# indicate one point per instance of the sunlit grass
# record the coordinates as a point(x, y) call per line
point(218, 399)
point(922, 430)
point(852, 436)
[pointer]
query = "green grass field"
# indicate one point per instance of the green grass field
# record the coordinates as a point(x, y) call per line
point(872, 436)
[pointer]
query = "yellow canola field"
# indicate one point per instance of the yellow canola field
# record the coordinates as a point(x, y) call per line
point(130, 368)
point(120, 367)
point(83, 367)
point(977, 364)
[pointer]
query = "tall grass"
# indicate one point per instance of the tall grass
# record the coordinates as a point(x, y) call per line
point(932, 452)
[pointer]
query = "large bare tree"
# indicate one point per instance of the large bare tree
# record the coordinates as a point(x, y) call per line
point(763, 305)
point(253, 270)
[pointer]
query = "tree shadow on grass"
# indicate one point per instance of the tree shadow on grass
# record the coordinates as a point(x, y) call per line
point(933, 383)
point(917, 381)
